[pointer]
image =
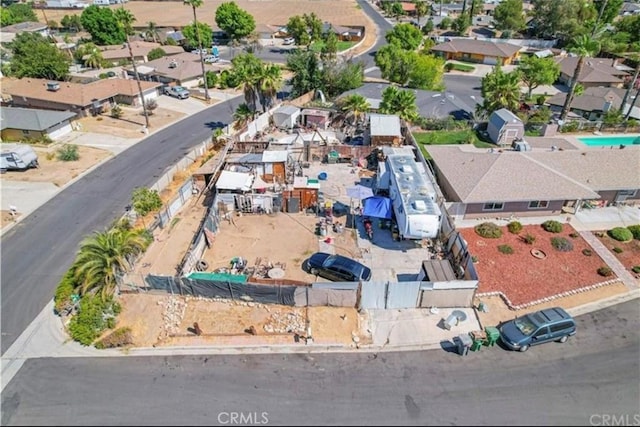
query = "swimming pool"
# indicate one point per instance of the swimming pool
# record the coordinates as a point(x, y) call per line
point(606, 141)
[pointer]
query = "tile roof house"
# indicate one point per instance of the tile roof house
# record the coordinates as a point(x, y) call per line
point(595, 71)
point(183, 69)
point(9, 32)
point(140, 50)
point(594, 102)
point(19, 124)
point(480, 51)
point(82, 99)
point(490, 183)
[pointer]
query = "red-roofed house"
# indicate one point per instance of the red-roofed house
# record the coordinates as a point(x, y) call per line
point(480, 51)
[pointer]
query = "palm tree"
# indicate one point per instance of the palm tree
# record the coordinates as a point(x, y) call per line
point(422, 9)
point(247, 69)
point(94, 59)
point(105, 256)
point(399, 102)
point(269, 82)
point(126, 19)
point(355, 105)
point(151, 32)
point(195, 4)
point(242, 116)
point(500, 90)
point(584, 46)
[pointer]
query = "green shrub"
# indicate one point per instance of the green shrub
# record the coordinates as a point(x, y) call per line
point(529, 239)
point(587, 252)
point(514, 227)
point(488, 230)
point(68, 153)
point(561, 244)
point(621, 234)
point(635, 231)
point(552, 226)
point(116, 111)
point(605, 271)
point(145, 200)
point(118, 338)
point(66, 288)
point(574, 235)
point(617, 250)
point(505, 249)
point(94, 316)
point(636, 269)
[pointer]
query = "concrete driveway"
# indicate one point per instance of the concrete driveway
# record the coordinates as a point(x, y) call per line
point(26, 196)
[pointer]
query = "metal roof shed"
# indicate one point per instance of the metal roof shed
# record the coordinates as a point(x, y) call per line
point(286, 116)
point(275, 156)
point(384, 125)
point(234, 181)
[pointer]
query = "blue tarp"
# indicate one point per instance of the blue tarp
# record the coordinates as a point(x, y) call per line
point(377, 207)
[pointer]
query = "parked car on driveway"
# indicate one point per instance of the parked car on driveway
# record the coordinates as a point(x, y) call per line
point(289, 41)
point(551, 324)
point(210, 59)
point(179, 92)
point(337, 268)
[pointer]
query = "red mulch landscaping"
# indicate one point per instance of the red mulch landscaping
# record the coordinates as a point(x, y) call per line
point(630, 255)
point(523, 278)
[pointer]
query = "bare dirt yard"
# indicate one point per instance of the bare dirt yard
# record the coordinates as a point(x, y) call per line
point(57, 171)
point(130, 124)
point(269, 12)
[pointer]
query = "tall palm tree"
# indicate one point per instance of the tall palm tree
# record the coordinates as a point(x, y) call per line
point(152, 32)
point(105, 256)
point(194, 5)
point(94, 59)
point(269, 82)
point(422, 9)
point(399, 102)
point(247, 68)
point(500, 90)
point(584, 46)
point(356, 106)
point(126, 19)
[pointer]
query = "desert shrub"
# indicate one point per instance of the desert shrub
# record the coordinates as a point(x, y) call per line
point(636, 269)
point(552, 226)
point(145, 200)
point(91, 319)
point(635, 231)
point(488, 230)
point(574, 235)
point(587, 252)
point(505, 249)
point(66, 288)
point(116, 111)
point(561, 244)
point(118, 338)
point(529, 239)
point(621, 234)
point(68, 153)
point(514, 227)
point(617, 250)
point(151, 106)
point(474, 258)
point(605, 271)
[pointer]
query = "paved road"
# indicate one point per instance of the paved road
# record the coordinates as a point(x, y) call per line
point(594, 374)
point(37, 251)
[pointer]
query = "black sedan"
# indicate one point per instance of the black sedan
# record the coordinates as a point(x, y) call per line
point(337, 268)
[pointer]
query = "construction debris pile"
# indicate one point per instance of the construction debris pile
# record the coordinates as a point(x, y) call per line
point(174, 310)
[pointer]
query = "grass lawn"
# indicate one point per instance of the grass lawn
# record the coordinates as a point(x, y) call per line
point(342, 45)
point(448, 137)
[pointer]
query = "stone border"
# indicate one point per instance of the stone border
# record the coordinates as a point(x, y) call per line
point(549, 298)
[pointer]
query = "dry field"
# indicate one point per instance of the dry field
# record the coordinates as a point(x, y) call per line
point(266, 12)
point(130, 124)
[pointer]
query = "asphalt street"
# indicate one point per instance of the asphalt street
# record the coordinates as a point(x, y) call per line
point(584, 381)
point(37, 251)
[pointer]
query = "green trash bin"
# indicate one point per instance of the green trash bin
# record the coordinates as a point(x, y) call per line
point(493, 334)
point(477, 345)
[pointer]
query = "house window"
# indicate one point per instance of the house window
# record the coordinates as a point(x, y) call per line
point(628, 193)
point(493, 206)
point(25, 132)
point(538, 204)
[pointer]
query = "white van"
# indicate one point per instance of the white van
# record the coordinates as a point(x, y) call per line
point(19, 157)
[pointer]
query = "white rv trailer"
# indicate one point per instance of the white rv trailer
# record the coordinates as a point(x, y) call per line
point(413, 196)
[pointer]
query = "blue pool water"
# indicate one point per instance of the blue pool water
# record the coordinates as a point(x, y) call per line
point(606, 141)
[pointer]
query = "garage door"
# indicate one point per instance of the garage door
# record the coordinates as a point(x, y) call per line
point(61, 131)
point(490, 60)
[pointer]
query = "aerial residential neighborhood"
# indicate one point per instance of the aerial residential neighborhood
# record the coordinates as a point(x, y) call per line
point(346, 196)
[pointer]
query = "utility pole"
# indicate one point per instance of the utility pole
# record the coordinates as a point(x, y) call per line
point(135, 72)
point(631, 86)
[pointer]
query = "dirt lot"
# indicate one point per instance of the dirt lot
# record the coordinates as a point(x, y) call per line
point(131, 123)
point(175, 14)
point(169, 321)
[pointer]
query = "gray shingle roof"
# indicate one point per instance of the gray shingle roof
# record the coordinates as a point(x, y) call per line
point(479, 176)
point(593, 99)
point(502, 116)
point(31, 119)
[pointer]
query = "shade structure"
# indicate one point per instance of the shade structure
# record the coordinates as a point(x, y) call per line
point(359, 192)
point(377, 207)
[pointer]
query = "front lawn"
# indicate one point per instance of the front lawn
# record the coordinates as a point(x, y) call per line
point(342, 45)
point(448, 137)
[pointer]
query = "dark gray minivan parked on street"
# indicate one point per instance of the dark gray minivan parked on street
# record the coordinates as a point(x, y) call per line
point(551, 324)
